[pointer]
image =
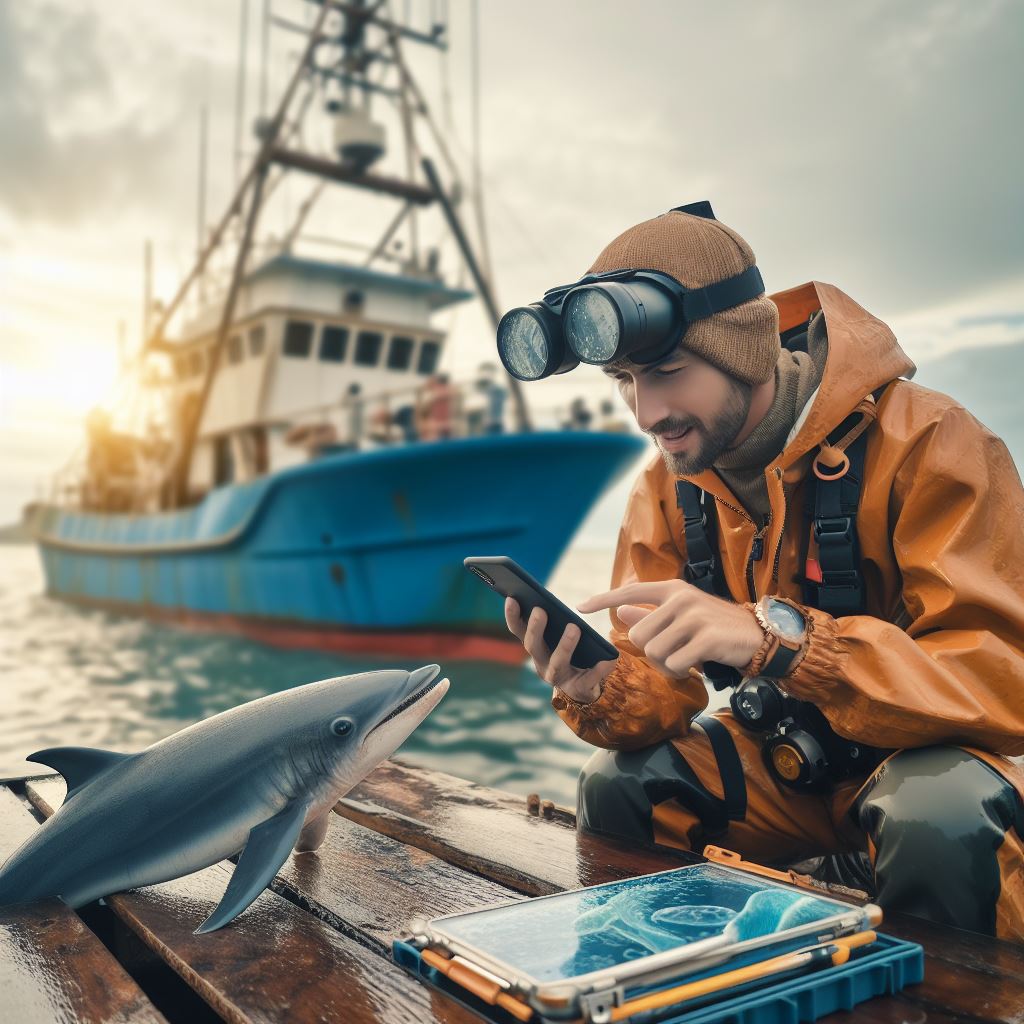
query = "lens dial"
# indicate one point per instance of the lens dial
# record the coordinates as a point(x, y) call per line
point(522, 345)
point(592, 325)
point(788, 761)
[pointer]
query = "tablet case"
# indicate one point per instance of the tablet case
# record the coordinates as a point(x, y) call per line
point(885, 967)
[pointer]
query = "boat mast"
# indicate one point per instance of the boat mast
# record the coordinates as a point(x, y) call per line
point(275, 150)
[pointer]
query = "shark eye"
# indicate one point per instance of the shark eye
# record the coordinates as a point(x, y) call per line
point(342, 726)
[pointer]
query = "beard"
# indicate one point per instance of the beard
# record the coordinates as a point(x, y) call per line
point(714, 438)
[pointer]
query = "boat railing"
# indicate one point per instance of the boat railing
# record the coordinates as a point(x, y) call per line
point(124, 473)
point(434, 411)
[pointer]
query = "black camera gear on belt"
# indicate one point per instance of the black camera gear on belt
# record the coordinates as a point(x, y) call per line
point(603, 317)
point(801, 748)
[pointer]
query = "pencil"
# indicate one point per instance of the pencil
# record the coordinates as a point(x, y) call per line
point(835, 952)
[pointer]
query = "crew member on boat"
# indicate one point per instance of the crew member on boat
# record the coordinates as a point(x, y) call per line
point(839, 547)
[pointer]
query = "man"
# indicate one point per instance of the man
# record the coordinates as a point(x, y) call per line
point(921, 687)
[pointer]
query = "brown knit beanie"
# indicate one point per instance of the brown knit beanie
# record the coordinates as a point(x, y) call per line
point(742, 341)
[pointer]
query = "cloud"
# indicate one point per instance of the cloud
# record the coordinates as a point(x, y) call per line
point(870, 144)
point(91, 116)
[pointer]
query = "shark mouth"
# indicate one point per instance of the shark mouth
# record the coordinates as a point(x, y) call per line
point(413, 698)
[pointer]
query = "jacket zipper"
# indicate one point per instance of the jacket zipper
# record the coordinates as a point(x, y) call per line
point(782, 536)
point(756, 554)
point(756, 545)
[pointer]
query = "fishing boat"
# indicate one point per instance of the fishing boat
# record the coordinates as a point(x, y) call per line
point(296, 466)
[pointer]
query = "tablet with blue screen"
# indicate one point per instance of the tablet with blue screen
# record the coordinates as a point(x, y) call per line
point(638, 931)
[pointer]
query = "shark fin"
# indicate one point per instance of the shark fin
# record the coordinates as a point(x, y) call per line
point(266, 849)
point(78, 765)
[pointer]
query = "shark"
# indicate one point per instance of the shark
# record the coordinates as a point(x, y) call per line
point(259, 779)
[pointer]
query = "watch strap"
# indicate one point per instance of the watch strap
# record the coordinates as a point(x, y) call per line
point(780, 662)
point(775, 657)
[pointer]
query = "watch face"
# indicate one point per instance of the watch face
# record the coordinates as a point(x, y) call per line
point(788, 621)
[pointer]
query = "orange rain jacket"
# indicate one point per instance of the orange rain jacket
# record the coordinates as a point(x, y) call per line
point(939, 655)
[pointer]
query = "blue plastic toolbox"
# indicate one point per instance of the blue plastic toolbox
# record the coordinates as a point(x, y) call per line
point(885, 967)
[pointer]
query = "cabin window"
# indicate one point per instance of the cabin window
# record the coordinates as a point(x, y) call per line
point(298, 339)
point(257, 340)
point(400, 353)
point(235, 350)
point(223, 461)
point(368, 346)
point(353, 301)
point(427, 362)
point(195, 362)
point(333, 344)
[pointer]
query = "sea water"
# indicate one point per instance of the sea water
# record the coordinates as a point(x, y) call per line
point(79, 677)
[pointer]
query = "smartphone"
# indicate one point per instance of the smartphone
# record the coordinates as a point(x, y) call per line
point(512, 580)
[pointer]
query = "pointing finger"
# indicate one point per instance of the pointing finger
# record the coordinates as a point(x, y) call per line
point(632, 593)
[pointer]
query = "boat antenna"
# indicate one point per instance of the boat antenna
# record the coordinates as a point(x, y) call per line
point(478, 189)
point(243, 48)
point(264, 57)
point(201, 191)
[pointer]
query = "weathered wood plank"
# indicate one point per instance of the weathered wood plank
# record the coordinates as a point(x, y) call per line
point(976, 952)
point(896, 1010)
point(274, 963)
point(489, 832)
point(377, 885)
point(52, 968)
point(372, 884)
point(359, 879)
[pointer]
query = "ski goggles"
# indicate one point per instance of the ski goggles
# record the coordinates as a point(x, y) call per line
point(642, 314)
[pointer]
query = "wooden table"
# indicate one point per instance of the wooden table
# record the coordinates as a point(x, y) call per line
point(316, 945)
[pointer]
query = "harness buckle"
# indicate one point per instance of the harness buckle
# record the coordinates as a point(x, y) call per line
point(833, 531)
point(847, 579)
point(700, 570)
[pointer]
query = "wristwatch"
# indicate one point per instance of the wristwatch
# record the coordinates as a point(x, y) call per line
point(785, 632)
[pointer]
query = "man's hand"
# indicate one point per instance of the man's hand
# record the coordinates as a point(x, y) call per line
point(682, 627)
point(579, 684)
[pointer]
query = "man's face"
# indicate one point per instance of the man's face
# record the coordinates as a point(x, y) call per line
point(692, 409)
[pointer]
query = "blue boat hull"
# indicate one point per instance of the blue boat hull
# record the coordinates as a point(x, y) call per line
point(346, 546)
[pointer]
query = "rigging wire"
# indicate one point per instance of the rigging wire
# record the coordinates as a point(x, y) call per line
point(478, 192)
point(412, 151)
point(243, 47)
point(264, 56)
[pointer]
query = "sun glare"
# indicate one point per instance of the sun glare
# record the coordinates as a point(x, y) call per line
point(83, 379)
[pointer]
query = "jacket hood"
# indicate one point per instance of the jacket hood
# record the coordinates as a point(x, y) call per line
point(863, 354)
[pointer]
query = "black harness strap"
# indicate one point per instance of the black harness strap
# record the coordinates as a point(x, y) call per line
point(832, 506)
point(734, 785)
point(701, 556)
point(834, 525)
point(701, 567)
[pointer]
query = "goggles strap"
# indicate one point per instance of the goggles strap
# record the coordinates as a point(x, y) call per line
point(701, 303)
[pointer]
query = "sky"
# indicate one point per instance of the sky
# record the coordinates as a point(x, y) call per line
point(872, 145)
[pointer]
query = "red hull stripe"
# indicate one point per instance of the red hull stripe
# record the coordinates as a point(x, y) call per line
point(431, 646)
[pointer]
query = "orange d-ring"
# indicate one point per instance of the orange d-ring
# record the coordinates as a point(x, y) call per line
point(832, 459)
